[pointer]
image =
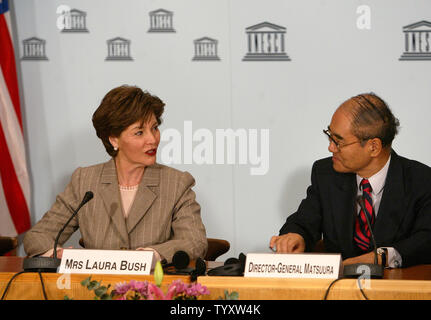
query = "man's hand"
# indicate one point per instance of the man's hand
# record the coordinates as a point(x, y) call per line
point(288, 243)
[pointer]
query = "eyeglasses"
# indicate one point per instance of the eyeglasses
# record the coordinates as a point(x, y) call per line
point(338, 144)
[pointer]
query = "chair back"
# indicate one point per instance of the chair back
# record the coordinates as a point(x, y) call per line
point(8, 245)
point(216, 247)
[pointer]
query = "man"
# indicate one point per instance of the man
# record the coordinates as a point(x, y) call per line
point(364, 179)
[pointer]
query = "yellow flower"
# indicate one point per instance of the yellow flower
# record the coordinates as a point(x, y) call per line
point(158, 274)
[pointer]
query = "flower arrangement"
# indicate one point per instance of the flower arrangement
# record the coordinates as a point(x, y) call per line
point(144, 290)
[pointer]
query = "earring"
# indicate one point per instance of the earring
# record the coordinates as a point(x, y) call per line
point(115, 148)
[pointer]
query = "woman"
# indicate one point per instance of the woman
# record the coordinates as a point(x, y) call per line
point(138, 204)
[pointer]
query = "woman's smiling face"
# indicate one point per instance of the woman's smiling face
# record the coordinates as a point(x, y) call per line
point(137, 144)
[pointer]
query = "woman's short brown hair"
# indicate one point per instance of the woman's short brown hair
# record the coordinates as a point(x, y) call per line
point(121, 107)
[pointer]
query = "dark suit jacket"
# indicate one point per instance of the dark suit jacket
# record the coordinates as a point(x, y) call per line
point(403, 220)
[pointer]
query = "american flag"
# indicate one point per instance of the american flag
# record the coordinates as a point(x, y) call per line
point(15, 184)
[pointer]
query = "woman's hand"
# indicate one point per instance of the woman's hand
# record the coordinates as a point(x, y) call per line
point(59, 252)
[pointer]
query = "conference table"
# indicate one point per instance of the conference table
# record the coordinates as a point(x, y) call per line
point(412, 283)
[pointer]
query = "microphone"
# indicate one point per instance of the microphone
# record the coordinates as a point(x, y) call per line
point(87, 197)
point(200, 269)
point(47, 264)
point(232, 267)
point(180, 260)
point(376, 270)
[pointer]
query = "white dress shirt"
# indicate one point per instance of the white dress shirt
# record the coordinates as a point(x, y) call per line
point(377, 182)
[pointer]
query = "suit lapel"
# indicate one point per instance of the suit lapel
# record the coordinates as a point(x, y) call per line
point(145, 196)
point(392, 206)
point(111, 199)
point(343, 203)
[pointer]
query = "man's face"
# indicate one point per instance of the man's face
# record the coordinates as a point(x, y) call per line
point(350, 156)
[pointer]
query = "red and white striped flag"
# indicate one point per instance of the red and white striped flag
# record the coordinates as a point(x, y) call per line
point(15, 184)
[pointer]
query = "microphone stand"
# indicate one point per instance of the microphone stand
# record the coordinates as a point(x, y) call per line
point(48, 264)
point(376, 270)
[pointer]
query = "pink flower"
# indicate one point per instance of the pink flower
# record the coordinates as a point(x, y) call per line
point(145, 290)
point(172, 292)
point(196, 289)
point(121, 288)
point(180, 287)
point(140, 287)
point(155, 293)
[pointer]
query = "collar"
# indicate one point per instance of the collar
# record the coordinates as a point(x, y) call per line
point(377, 181)
point(151, 175)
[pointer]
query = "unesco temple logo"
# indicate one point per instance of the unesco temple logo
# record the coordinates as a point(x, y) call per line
point(205, 49)
point(161, 20)
point(34, 49)
point(118, 49)
point(74, 21)
point(266, 42)
point(417, 41)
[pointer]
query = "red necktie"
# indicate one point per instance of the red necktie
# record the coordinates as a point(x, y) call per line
point(362, 234)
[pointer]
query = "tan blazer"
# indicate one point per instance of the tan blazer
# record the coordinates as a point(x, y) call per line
point(164, 215)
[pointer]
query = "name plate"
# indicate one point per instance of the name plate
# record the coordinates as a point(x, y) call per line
point(281, 265)
point(106, 261)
